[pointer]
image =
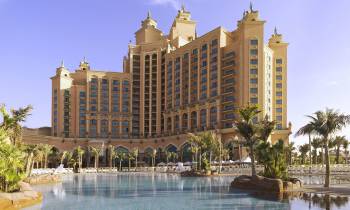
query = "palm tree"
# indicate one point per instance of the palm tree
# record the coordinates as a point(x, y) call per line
point(130, 157)
point(114, 157)
point(303, 149)
point(29, 150)
point(111, 154)
point(246, 127)
point(38, 156)
point(153, 155)
point(338, 142)
point(63, 157)
point(121, 156)
point(325, 124)
point(47, 149)
point(346, 152)
point(68, 156)
point(11, 122)
point(316, 143)
point(195, 142)
point(307, 129)
point(11, 166)
point(167, 156)
point(80, 152)
point(96, 153)
point(290, 148)
point(135, 153)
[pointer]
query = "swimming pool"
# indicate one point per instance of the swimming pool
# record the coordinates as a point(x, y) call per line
point(166, 192)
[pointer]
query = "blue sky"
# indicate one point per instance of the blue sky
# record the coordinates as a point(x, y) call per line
point(37, 34)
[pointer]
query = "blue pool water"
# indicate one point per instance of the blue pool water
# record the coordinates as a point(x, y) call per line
point(166, 192)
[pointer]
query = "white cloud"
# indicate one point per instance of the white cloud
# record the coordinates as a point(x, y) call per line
point(173, 3)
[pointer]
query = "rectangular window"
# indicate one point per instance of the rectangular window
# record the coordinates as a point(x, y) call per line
point(278, 77)
point(279, 118)
point(254, 81)
point(204, 47)
point(254, 42)
point(229, 72)
point(254, 61)
point(279, 101)
point(279, 93)
point(214, 42)
point(279, 85)
point(253, 51)
point(254, 100)
point(229, 98)
point(195, 51)
point(279, 127)
point(279, 69)
point(279, 61)
point(279, 110)
point(254, 71)
point(253, 90)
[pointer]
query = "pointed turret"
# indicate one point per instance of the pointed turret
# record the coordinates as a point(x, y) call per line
point(250, 15)
point(61, 70)
point(276, 38)
point(84, 65)
point(183, 29)
point(149, 21)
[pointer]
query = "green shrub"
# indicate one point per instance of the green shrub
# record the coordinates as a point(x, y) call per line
point(274, 160)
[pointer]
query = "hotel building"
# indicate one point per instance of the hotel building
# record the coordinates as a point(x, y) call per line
point(173, 84)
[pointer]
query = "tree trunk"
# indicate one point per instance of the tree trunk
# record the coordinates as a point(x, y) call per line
point(29, 164)
point(129, 165)
point(220, 157)
point(200, 160)
point(310, 155)
point(135, 163)
point(120, 165)
point(252, 159)
point(327, 178)
point(337, 155)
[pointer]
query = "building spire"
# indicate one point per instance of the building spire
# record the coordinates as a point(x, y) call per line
point(251, 7)
point(275, 31)
point(62, 64)
point(149, 14)
point(183, 7)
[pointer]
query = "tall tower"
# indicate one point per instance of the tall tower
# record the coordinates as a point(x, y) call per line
point(279, 75)
point(144, 62)
point(252, 78)
point(183, 29)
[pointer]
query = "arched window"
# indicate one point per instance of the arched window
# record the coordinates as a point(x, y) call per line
point(186, 152)
point(121, 149)
point(184, 121)
point(177, 123)
point(169, 124)
point(115, 129)
point(203, 118)
point(171, 148)
point(104, 129)
point(213, 117)
point(93, 128)
point(193, 120)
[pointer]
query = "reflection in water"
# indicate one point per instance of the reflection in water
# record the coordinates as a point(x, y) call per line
point(164, 191)
point(325, 201)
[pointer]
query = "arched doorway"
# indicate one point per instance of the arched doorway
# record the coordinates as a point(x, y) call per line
point(186, 154)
